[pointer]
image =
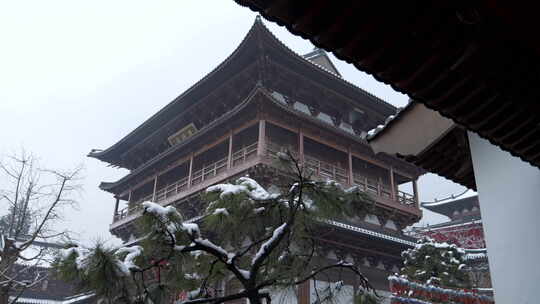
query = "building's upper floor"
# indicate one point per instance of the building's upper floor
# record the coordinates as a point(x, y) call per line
point(249, 137)
point(260, 59)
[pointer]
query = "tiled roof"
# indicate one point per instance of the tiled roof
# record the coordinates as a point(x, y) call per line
point(475, 64)
point(371, 233)
point(258, 32)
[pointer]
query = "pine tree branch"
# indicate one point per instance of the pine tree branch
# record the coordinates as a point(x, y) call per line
point(205, 280)
point(251, 246)
point(217, 300)
point(363, 281)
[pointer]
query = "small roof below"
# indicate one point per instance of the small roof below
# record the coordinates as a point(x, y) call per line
point(448, 207)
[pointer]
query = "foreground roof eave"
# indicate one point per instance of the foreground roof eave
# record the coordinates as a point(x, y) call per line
point(467, 68)
point(408, 136)
point(406, 133)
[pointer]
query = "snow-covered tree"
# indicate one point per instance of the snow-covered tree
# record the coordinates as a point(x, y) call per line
point(435, 263)
point(246, 243)
point(33, 198)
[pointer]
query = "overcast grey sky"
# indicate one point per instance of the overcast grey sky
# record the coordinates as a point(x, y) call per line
point(77, 75)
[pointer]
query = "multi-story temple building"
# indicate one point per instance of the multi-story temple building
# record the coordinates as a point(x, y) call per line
point(262, 99)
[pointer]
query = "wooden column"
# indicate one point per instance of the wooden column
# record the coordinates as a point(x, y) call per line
point(261, 143)
point(355, 284)
point(392, 183)
point(415, 191)
point(155, 188)
point(301, 157)
point(116, 208)
point(229, 158)
point(303, 293)
point(190, 170)
point(350, 173)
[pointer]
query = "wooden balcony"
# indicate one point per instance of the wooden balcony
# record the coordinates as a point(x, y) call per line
point(203, 177)
point(246, 157)
point(325, 171)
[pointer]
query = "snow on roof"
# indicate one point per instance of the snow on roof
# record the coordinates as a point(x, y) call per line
point(476, 254)
point(450, 225)
point(370, 232)
point(388, 121)
point(318, 53)
point(450, 200)
point(67, 300)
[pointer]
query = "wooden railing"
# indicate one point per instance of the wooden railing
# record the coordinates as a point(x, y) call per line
point(325, 170)
point(272, 149)
point(206, 172)
point(172, 189)
point(405, 198)
point(240, 156)
point(321, 169)
point(372, 186)
point(209, 171)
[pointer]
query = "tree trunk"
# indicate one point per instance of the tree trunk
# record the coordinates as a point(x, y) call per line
point(252, 300)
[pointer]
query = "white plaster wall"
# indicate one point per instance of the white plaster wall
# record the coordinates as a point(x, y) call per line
point(509, 193)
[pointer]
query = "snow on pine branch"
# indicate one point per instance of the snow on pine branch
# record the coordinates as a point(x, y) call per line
point(80, 255)
point(208, 244)
point(221, 211)
point(264, 247)
point(444, 245)
point(129, 261)
point(159, 210)
point(244, 185)
point(163, 212)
